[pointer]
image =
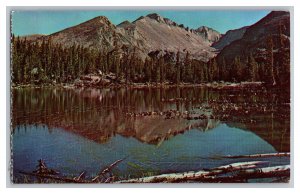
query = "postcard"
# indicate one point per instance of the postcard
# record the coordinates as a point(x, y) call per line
point(150, 96)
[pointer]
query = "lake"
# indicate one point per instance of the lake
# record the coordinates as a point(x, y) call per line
point(155, 130)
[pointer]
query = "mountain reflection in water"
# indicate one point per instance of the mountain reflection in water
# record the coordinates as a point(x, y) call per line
point(100, 114)
point(193, 150)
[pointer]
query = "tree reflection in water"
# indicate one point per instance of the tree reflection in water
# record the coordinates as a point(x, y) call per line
point(154, 115)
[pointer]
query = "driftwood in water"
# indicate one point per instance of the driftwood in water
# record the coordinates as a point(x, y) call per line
point(106, 170)
point(178, 177)
point(236, 172)
point(246, 174)
point(80, 177)
point(260, 155)
point(243, 172)
point(42, 172)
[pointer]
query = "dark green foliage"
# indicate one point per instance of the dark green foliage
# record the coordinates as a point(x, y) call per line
point(178, 68)
point(46, 62)
point(282, 60)
point(253, 69)
point(270, 76)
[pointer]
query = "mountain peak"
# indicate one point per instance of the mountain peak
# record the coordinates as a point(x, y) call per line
point(124, 24)
point(206, 29)
point(155, 16)
point(159, 19)
point(208, 33)
point(99, 20)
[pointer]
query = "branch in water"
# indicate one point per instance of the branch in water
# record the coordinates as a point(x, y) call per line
point(236, 172)
point(105, 171)
point(45, 173)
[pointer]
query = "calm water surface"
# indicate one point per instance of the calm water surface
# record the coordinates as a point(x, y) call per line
point(155, 130)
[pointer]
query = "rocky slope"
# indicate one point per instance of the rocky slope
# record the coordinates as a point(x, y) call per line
point(98, 33)
point(229, 37)
point(146, 34)
point(256, 36)
point(153, 32)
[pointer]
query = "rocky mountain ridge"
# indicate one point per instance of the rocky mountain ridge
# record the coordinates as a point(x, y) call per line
point(146, 34)
point(275, 25)
point(155, 34)
point(229, 37)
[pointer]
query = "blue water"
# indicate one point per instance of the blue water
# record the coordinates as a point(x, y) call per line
point(71, 154)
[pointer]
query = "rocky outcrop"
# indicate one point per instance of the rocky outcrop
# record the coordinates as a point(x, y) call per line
point(208, 33)
point(229, 37)
point(153, 32)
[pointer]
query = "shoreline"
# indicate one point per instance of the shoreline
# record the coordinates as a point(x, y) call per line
point(232, 172)
point(215, 85)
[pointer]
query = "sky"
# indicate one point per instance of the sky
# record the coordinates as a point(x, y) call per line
point(47, 22)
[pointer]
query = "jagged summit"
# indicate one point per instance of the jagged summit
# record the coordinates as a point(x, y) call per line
point(98, 20)
point(155, 16)
point(126, 22)
point(208, 33)
point(158, 18)
point(154, 32)
point(97, 32)
point(91, 25)
point(206, 28)
point(148, 33)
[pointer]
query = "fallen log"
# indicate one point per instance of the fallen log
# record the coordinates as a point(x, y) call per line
point(231, 173)
point(182, 177)
point(80, 177)
point(266, 172)
point(244, 175)
point(45, 173)
point(287, 154)
point(105, 171)
point(209, 177)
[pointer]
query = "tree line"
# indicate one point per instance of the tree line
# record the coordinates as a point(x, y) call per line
point(270, 64)
point(38, 62)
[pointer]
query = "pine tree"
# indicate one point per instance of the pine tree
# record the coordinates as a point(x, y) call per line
point(161, 67)
point(214, 70)
point(223, 72)
point(194, 72)
point(283, 61)
point(270, 61)
point(188, 68)
point(178, 68)
point(158, 75)
point(253, 68)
